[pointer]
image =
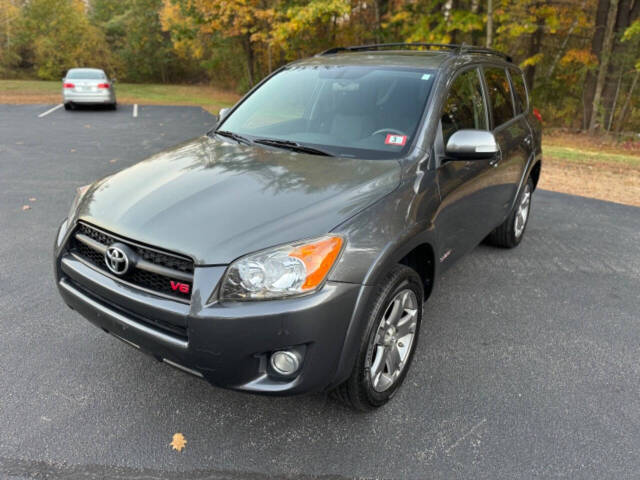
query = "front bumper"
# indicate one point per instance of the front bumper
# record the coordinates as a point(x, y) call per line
point(226, 344)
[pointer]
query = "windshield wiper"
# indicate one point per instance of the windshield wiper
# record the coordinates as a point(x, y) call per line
point(293, 146)
point(233, 136)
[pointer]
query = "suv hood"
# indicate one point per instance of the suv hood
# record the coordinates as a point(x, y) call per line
point(216, 201)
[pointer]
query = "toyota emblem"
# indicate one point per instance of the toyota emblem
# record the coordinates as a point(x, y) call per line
point(117, 260)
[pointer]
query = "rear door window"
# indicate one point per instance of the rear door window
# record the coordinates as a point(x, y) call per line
point(519, 90)
point(499, 95)
point(464, 107)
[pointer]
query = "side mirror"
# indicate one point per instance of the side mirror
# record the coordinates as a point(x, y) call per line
point(223, 113)
point(472, 145)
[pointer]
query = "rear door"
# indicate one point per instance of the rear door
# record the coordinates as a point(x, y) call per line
point(512, 134)
point(523, 111)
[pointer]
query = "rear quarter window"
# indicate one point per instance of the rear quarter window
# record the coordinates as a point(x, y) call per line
point(519, 90)
point(499, 95)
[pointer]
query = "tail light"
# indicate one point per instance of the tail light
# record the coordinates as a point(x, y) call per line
point(68, 85)
point(536, 112)
point(103, 85)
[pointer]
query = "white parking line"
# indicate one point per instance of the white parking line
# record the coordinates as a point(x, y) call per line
point(50, 110)
point(135, 110)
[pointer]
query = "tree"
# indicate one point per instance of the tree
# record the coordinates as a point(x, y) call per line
point(246, 21)
point(9, 13)
point(55, 35)
point(622, 59)
point(489, 41)
point(134, 31)
point(607, 45)
point(589, 88)
point(306, 29)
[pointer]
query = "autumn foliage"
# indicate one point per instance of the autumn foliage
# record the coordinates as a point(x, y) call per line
point(581, 57)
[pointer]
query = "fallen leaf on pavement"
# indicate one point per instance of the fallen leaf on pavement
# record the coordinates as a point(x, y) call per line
point(32, 199)
point(178, 442)
point(26, 207)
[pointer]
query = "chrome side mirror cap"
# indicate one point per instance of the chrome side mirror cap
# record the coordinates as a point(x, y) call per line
point(472, 145)
point(223, 113)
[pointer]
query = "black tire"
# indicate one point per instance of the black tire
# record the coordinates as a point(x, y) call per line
point(505, 236)
point(113, 106)
point(68, 106)
point(357, 391)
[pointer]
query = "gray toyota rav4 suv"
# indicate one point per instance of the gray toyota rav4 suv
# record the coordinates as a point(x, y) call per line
point(292, 247)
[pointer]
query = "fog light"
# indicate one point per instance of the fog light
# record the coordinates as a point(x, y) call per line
point(285, 362)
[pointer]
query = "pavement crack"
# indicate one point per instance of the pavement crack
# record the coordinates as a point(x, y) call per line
point(463, 437)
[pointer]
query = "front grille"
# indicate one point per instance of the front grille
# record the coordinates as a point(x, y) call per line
point(172, 268)
point(166, 327)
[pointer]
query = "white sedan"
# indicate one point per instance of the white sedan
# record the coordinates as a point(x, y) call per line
point(89, 86)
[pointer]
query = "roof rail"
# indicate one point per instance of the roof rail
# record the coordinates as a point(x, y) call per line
point(454, 49)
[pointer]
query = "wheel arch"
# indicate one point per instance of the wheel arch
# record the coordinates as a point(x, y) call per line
point(417, 253)
point(422, 259)
point(535, 173)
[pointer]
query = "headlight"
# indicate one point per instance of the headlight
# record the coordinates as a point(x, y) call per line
point(80, 191)
point(292, 269)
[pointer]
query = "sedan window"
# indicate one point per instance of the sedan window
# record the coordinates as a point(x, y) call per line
point(85, 75)
point(464, 107)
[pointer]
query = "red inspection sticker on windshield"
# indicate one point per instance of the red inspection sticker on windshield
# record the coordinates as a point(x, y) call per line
point(398, 140)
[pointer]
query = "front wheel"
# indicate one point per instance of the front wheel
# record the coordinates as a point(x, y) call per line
point(510, 233)
point(389, 341)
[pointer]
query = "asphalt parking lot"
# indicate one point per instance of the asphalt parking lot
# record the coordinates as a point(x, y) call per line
point(528, 364)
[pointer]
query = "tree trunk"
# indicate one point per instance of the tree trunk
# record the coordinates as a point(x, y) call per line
point(269, 56)
point(627, 102)
point(489, 23)
point(620, 62)
point(248, 53)
point(475, 34)
point(376, 11)
point(447, 11)
point(607, 45)
point(8, 29)
point(535, 43)
point(589, 89)
point(612, 111)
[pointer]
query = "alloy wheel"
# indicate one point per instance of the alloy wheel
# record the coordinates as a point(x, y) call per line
point(393, 340)
point(523, 211)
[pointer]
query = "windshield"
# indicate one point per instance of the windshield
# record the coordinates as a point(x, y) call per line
point(86, 74)
point(351, 111)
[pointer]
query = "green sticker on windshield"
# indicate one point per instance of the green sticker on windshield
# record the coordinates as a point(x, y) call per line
point(426, 76)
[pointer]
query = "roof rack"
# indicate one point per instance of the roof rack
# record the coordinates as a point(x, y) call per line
point(454, 49)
